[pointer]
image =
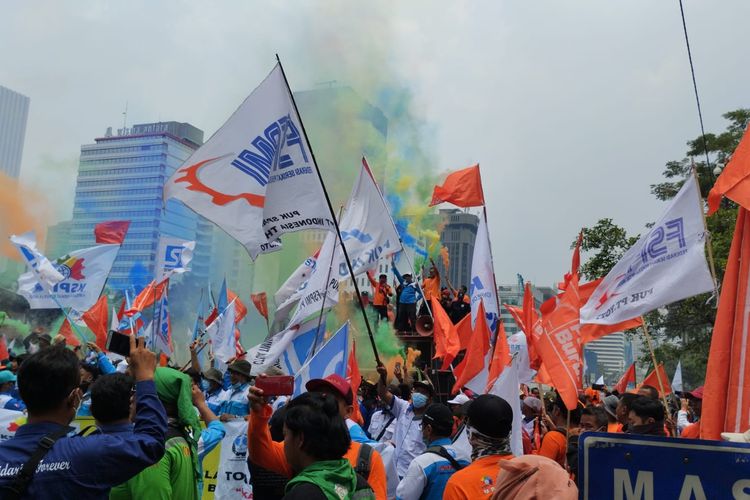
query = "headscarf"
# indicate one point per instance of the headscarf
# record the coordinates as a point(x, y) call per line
point(175, 387)
point(533, 477)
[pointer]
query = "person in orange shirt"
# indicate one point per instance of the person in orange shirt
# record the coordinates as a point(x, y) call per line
point(381, 292)
point(555, 441)
point(266, 453)
point(692, 431)
point(430, 287)
point(610, 406)
point(488, 423)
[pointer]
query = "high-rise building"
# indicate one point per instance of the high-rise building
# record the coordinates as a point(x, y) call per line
point(14, 111)
point(611, 353)
point(457, 236)
point(512, 294)
point(121, 177)
point(57, 242)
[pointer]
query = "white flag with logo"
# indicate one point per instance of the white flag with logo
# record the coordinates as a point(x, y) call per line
point(255, 177)
point(268, 352)
point(46, 274)
point(482, 282)
point(173, 256)
point(221, 333)
point(667, 264)
point(296, 279)
point(677, 380)
point(368, 232)
point(84, 273)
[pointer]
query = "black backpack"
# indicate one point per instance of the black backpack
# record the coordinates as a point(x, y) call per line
point(439, 450)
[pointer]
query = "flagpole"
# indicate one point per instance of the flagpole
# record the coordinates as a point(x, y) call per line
point(333, 215)
point(658, 374)
point(711, 265)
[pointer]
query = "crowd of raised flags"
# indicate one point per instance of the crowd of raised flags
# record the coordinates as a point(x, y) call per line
point(256, 178)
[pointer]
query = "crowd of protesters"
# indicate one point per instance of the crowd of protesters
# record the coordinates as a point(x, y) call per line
point(394, 439)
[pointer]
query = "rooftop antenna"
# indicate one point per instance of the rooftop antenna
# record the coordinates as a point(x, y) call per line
point(125, 116)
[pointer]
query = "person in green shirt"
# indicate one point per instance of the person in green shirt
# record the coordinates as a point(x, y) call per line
point(175, 476)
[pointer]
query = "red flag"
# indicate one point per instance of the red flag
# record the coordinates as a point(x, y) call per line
point(592, 331)
point(726, 400)
point(354, 379)
point(67, 332)
point(558, 343)
point(627, 377)
point(4, 354)
point(96, 319)
point(463, 329)
point(575, 263)
point(531, 322)
point(113, 231)
point(734, 181)
point(476, 352)
point(240, 309)
point(500, 358)
point(148, 296)
point(463, 188)
point(260, 300)
point(447, 343)
point(653, 378)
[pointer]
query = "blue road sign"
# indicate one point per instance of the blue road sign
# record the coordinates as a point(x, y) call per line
point(633, 467)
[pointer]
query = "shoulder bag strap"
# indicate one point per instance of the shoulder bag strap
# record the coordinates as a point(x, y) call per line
point(21, 482)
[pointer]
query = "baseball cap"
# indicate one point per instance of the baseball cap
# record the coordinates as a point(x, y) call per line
point(490, 415)
point(7, 376)
point(460, 399)
point(424, 384)
point(736, 437)
point(440, 418)
point(332, 383)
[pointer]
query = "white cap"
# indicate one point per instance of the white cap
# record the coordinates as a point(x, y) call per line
point(736, 437)
point(460, 399)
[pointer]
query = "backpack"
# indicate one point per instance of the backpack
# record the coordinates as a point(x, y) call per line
point(439, 450)
point(364, 459)
point(362, 491)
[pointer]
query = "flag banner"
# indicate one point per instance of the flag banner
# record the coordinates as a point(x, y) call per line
point(84, 273)
point(628, 377)
point(519, 350)
point(260, 301)
point(96, 319)
point(148, 296)
point(653, 379)
point(591, 331)
point(558, 343)
point(232, 478)
point(500, 357)
point(297, 278)
point(173, 256)
point(163, 332)
point(113, 231)
point(734, 180)
point(667, 264)
point(463, 188)
point(677, 379)
point(66, 330)
point(268, 352)
point(42, 270)
point(472, 371)
point(329, 359)
point(221, 333)
point(298, 351)
point(240, 309)
point(447, 342)
point(368, 233)
point(255, 177)
point(482, 283)
point(506, 386)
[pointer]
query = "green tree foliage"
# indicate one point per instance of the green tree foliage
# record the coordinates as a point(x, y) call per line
point(683, 329)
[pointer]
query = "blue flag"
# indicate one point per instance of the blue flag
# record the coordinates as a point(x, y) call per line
point(331, 358)
point(295, 356)
point(223, 301)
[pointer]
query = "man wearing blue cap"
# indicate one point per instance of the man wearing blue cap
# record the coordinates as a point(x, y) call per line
point(8, 401)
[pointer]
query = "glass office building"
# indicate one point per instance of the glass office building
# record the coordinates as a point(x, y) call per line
point(121, 177)
point(14, 111)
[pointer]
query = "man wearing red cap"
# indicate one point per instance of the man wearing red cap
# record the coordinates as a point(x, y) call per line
point(692, 431)
point(270, 455)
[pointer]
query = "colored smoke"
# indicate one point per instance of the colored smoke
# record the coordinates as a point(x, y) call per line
point(23, 209)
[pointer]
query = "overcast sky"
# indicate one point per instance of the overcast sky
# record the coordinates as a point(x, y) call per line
point(572, 108)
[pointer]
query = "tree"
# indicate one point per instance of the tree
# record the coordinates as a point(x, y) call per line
point(683, 329)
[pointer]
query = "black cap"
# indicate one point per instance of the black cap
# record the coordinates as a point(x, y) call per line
point(424, 384)
point(440, 418)
point(490, 415)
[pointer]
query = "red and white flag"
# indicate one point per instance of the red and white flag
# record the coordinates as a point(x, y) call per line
point(256, 177)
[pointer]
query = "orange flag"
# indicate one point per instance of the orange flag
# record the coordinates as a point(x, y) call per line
point(652, 379)
point(726, 399)
point(261, 303)
point(592, 331)
point(67, 332)
point(627, 377)
point(463, 188)
point(558, 343)
point(240, 309)
point(4, 354)
point(575, 263)
point(476, 352)
point(96, 319)
point(531, 322)
point(500, 357)
point(447, 343)
point(354, 379)
point(150, 294)
point(113, 231)
point(734, 181)
point(463, 328)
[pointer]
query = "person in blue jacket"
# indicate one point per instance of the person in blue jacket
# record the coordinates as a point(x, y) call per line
point(91, 369)
point(234, 402)
point(8, 399)
point(80, 467)
point(406, 313)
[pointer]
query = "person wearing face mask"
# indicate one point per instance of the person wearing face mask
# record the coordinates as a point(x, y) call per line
point(427, 474)
point(75, 466)
point(488, 423)
point(211, 385)
point(594, 419)
point(646, 416)
point(407, 436)
point(234, 400)
point(8, 401)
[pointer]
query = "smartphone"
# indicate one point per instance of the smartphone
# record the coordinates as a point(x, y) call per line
point(119, 343)
point(282, 385)
point(397, 367)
